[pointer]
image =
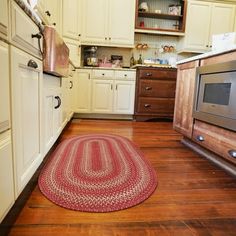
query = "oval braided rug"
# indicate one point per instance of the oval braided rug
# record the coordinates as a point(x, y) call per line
point(97, 173)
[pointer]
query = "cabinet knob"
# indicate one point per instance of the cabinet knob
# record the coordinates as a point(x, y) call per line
point(59, 102)
point(71, 85)
point(147, 105)
point(148, 88)
point(232, 153)
point(105, 38)
point(109, 38)
point(103, 74)
point(32, 64)
point(79, 35)
point(148, 74)
point(54, 23)
point(125, 75)
point(200, 138)
point(48, 13)
point(207, 46)
point(38, 36)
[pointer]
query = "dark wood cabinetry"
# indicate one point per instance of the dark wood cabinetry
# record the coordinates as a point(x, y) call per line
point(155, 93)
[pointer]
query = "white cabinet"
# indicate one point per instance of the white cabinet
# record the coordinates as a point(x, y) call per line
point(71, 19)
point(6, 174)
point(3, 18)
point(203, 20)
point(75, 50)
point(102, 96)
point(4, 88)
point(26, 78)
point(108, 22)
point(82, 91)
point(124, 94)
point(52, 110)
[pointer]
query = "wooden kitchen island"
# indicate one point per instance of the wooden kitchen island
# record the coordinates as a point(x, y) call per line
point(216, 143)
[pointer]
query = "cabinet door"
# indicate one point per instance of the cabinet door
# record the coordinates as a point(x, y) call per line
point(57, 113)
point(65, 101)
point(198, 26)
point(102, 96)
point(124, 97)
point(4, 88)
point(71, 18)
point(183, 120)
point(222, 19)
point(3, 17)
point(26, 122)
point(75, 49)
point(82, 92)
point(95, 23)
point(121, 21)
point(6, 174)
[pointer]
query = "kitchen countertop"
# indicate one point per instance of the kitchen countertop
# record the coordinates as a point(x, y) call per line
point(104, 68)
point(208, 54)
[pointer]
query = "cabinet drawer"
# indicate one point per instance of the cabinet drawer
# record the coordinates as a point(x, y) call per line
point(157, 88)
point(125, 74)
point(156, 105)
point(152, 73)
point(22, 30)
point(103, 74)
point(216, 139)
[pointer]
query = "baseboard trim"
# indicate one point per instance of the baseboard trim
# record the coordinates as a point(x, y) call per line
point(103, 116)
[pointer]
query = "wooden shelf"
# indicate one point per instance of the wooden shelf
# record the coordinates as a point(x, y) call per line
point(159, 16)
point(158, 32)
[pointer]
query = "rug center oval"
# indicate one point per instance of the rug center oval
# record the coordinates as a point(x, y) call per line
point(97, 173)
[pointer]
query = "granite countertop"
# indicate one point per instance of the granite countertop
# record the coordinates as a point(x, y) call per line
point(208, 54)
point(30, 12)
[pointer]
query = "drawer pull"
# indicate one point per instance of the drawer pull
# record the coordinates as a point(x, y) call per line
point(71, 85)
point(148, 88)
point(232, 153)
point(38, 36)
point(32, 64)
point(147, 105)
point(125, 75)
point(48, 13)
point(148, 74)
point(59, 102)
point(103, 74)
point(200, 138)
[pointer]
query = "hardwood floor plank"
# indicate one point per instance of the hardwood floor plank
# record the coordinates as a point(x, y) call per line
point(193, 197)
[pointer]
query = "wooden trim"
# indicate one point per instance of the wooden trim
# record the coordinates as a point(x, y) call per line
point(189, 65)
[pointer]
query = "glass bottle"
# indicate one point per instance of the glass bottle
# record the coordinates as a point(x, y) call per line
point(132, 60)
point(140, 60)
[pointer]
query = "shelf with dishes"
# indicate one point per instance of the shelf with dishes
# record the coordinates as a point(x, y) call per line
point(161, 17)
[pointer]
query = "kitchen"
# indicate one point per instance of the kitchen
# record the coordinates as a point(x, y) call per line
point(45, 109)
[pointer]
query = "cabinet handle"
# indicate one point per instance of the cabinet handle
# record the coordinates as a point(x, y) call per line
point(79, 35)
point(111, 87)
point(148, 74)
point(232, 153)
point(125, 75)
point(73, 69)
point(109, 38)
point(38, 36)
point(59, 102)
point(103, 74)
point(148, 88)
point(105, 38)
point(207, 46)
point(32, 64)
point(48, 13)
point(116, 86)
point(71, 85)
point(54, 23)
point(200, 138)
point(147, 105)
point(210, 46)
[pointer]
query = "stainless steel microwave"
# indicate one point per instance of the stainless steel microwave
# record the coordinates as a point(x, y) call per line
point(215, 94)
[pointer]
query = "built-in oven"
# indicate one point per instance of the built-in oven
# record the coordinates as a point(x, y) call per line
point(215, 94)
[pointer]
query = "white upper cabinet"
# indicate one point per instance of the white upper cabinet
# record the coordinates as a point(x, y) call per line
point(108, 22)
point(3, 17)
point(203, 20)
point(71, 19)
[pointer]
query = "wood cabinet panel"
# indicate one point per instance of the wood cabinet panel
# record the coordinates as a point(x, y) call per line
point(155, 93)
point(216, 139)
point(183, 120)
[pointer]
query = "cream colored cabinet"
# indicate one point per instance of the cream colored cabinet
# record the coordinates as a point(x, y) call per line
point(108, 22)
point(3, 18)
point(203, 20)
point(6, 174)
point(4, 88)
point(71, 19)
point(75, 50)
point(26, 78)
point(50, 12)
point(52, 110)
point(82, 91)
point(65, 101)
point(102, 95)
point(124, 97)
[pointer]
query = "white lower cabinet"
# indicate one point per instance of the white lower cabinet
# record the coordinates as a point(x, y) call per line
point(82, 91)
point(6, 174)
point(52, 111)
point(102, 96)
point(26, 78)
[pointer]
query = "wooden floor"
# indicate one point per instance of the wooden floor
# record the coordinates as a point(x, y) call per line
point(193, 196)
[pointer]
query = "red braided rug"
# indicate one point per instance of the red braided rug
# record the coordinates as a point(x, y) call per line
point(97, 173)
